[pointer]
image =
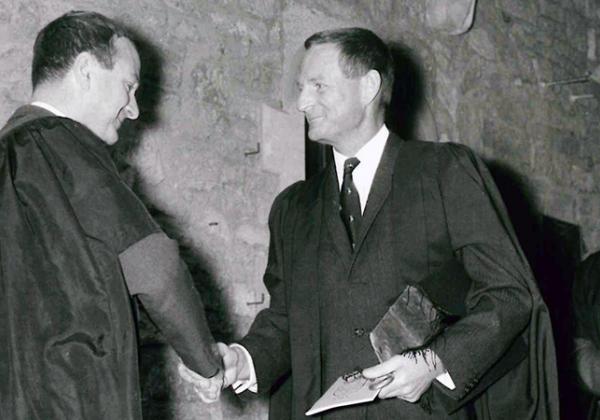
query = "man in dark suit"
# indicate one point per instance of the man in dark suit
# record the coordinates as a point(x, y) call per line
point(75, 241)
point(586, 311)
point(385, 214)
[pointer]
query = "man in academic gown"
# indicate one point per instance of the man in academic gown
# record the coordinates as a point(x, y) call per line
point(76, 243)
point(385, 214)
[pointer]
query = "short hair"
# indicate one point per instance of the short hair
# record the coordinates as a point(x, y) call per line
point(360, 51)
point(62, 40)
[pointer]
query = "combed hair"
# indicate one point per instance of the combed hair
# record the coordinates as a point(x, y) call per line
point(360, 51)
point(62, 40)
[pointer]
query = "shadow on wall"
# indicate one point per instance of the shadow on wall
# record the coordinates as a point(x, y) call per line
point(553, 248)
point(408, 95)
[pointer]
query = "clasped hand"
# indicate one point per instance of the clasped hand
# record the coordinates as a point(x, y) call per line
point(209, 389)
point(411, 374)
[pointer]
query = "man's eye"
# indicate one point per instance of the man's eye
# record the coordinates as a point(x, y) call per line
point(319, 86)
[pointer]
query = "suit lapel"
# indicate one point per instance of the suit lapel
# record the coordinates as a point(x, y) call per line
point(382, 185)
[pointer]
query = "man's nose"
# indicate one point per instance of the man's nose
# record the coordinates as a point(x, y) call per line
point(304, 100)
point(131, 110)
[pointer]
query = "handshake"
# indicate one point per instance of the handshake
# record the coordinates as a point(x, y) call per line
point(405, 376)
point(235, 372)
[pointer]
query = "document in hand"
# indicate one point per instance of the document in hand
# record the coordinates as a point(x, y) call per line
point(346, 390)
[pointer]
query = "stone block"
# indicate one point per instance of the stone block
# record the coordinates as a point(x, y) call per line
point(523, 10)
point(553, 10)
point(480, 42)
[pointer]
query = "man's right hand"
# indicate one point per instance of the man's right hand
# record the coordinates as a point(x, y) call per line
point(235, 364)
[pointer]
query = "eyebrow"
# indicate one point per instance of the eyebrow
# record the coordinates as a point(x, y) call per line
point(318, 78)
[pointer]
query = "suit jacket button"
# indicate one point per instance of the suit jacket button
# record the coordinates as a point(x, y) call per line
point(359, 332)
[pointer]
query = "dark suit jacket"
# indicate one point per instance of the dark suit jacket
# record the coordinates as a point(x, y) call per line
point(429, 203)
point(71, 229)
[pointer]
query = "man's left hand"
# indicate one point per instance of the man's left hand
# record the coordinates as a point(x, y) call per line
point(412, 375)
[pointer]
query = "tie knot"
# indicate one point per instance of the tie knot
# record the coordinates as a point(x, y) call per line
point(350, 164)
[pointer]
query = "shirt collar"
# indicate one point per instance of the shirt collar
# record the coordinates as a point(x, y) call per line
point(369, 156)
point(49, 108)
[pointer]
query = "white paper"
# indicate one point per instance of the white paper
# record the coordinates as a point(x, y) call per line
point(343, 392)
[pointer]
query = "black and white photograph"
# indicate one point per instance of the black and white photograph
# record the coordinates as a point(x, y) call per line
point(300, 209)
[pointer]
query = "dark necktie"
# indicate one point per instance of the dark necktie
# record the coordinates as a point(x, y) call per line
point(350, 202)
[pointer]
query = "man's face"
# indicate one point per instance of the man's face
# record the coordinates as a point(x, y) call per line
point(113, 92)
point(330, 101)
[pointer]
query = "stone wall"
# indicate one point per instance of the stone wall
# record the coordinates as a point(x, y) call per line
point(219, 136)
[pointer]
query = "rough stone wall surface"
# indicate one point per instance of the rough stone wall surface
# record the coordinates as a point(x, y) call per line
point(217, 81)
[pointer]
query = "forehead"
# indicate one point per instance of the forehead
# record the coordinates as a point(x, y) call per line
point(321, 61)
point(126, 57)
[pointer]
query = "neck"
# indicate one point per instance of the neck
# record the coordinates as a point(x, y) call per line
point(58, 96)
point(367, 130)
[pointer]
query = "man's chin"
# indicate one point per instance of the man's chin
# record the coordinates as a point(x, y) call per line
point(320, 140)
point(315, 135)
point(110, 138)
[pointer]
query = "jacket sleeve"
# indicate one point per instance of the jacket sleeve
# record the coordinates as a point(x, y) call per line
point(155, 273)
point(498, 303)
point(268, 338)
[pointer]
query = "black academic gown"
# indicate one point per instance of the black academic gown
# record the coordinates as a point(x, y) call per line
point(67, 336)
point(429, 204)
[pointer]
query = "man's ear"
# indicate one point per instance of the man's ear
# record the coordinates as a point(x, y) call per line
point(83, 69)
point(370, 86)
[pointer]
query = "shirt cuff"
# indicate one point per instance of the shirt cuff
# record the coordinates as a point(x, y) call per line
point(446, 380)
point(249, 384)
